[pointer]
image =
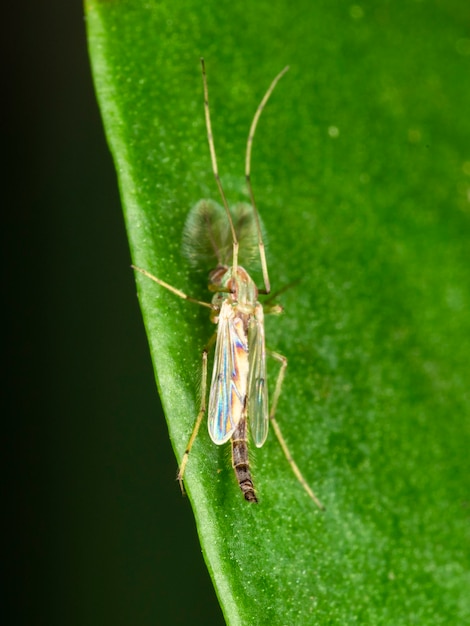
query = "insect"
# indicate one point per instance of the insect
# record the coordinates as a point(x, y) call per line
point(238, 396)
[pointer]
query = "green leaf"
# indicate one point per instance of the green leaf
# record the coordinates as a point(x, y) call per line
point(361, 169)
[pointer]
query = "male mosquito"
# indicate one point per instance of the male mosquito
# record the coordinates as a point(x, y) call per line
point(238, 396)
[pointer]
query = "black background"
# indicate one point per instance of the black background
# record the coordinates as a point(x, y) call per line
point(98, 532)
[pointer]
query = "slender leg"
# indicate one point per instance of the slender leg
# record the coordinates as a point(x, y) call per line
point(277, 392)
point(280, 379)
point(174, 290)
point(200, 415)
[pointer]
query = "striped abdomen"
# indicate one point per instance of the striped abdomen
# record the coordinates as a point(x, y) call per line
point(240, 461)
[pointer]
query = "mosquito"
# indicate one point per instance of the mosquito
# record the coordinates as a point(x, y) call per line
point(238, 396)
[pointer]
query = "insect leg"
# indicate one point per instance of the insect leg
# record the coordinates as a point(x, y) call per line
point(280, 379)
point(282, 442)
point(200, 415)
point(174, 290)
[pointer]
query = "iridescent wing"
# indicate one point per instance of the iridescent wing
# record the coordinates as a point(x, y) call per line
point(258, 405)
point(229, 377)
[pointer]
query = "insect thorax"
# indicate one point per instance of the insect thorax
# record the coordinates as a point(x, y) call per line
point(237, 288)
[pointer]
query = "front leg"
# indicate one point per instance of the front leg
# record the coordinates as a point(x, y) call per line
point(174, 290)
point(200, 415)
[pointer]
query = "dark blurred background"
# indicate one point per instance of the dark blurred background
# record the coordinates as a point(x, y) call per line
point(98, 533)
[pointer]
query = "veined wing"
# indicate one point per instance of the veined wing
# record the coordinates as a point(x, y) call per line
point(258, 405)
point(229, 376)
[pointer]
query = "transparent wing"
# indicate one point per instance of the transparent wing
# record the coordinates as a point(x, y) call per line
point(229, 376)
point(258, 404)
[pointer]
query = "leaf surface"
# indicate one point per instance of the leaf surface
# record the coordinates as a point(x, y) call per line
point(361, 171)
